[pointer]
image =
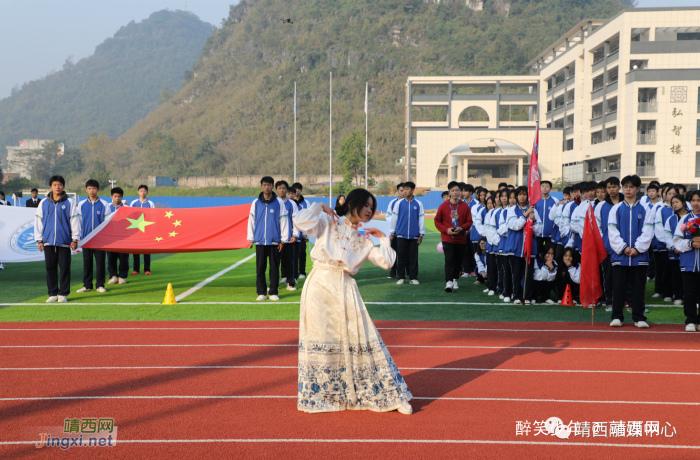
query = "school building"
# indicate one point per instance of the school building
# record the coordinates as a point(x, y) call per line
point(613, 97)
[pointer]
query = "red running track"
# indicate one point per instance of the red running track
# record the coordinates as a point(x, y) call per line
point(235, 392)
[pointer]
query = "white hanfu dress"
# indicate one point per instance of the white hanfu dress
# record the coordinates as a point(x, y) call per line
point(343, 362)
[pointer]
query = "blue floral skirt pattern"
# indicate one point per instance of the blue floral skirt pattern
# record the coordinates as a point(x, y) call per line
point(343, 362)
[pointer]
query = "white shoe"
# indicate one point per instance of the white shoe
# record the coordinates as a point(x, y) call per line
point(283, 280)
point(492, 292)
point(448, 286)
point(401, 281)
point(517, 302)
point(486, 290)
point(455, 285)
point(616, 323)
point(101, 289)
point(648, 279)
point(406, 409)
point(122, 281)
point(261, 297)
point(690, 327)
point(550, 302)
point(83, 289)
point(668, 299)
point(53, 298)
point(506, 299)
point(2, 266)
point(113, 280)
point(642, 325)
point(414, 282)
point(500, 296)
point(678, 302)
point(465, 275)
point(301, 277)
point(291, 288)
point(656, 296)
point(62, 299)
point(274, 297)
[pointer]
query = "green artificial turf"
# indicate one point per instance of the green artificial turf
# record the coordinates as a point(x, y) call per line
point(26, 283)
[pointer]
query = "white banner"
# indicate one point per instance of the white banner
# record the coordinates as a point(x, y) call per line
point(17, 235)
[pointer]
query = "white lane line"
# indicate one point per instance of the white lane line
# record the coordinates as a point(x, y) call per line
point(383, 441)
point(476, 347)
point(427, 398)
point(468, 369)
point(198, 286)
point(280, 303)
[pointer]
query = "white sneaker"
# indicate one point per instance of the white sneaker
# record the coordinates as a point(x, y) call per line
point(414, 282)
point(668, 299)
point(291, 288)
point(2, 266)
point(301, 277)
point(261, 297)
point(506, 299)
point(455, 285)
point(101, 289)
point(500, 296)
point(642, 325)
point(690, 327)
point(550, 302)
point(406, 409)
point(53, 298)
point(517, 302)
point(401, 281)
point(492, 292)
point(113, 280)
point(656, 296)
point(648, 279)
point(83, 289)
point(678, 302)
point(122, 281)
point(274, 297)
point(486, 290)
point(448, 286)
point(465, 275)
point(283, 280)
point(616, 323)
point(62, 299)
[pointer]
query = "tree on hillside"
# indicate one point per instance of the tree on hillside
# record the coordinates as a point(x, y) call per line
point(352, 156)
point(41, 163)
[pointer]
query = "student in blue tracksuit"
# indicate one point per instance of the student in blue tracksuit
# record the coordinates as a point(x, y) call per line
point(117, 274)
point(515, 245)
point(142, 202)
point(602, 212)
point(653, 202)
point(408, 225)
point(57, 231)
point(93, 212)
point(661, 255)
point(578, 216)
point(679, 206)
point(468, 266)
point(492, 240)
point(268, 230)
point(688, 244)
point(543, 208)
point(287, 255)
point(478, 211)
point(303, 241)
point(389, 217)
point(630, 231)
point(505, 277)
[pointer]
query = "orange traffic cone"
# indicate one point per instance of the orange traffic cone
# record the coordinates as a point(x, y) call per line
point(567, 300)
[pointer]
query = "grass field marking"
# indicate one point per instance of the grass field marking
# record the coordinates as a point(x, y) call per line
point(468, 369)
point(200, 285)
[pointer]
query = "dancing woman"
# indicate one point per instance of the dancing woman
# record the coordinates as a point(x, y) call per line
point(343, 362)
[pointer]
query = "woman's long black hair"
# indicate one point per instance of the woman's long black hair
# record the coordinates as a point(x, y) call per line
point(337, 205)
point(680, 198)
point(355, 201)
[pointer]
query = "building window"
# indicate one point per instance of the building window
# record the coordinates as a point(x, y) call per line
point(697, 134)
point(598, 55)
point(559, 102)
point(549, 106)
point(614, 46)
point(646, 132)
point(597, 111)
point(612, 76)
point(598, 83)
point(549, 125)
point(688, 36)
point(645, 164)
point(569, 144)
point(570, 121)
point(613, 164)
point(646, 99)
point(570, 97)
point(597, 137)
point(612, 105)
point(611, 133)
point(559, 123)
point(697, 164)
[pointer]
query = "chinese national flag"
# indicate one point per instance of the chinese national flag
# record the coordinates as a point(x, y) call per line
point(592, 255)
point(527, 240)
point(161, 230)
point(534, 193)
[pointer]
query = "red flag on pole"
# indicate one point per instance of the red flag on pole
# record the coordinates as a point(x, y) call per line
point(534, 193)
point(159, 230)
point(592, 255)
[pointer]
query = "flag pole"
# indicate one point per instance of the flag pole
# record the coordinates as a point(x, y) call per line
point(295, 131)
point(366, 133)
point(330, 147)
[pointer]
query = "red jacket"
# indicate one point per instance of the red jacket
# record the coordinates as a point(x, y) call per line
point(443, 221)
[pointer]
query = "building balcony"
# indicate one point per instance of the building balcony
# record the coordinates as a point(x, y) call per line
point(647, 107)
point(646, 171)
point(646, 139)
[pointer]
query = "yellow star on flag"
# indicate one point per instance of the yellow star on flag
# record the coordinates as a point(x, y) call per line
point(177, 223)
point(158, 238)
point(173, 234)
point(139, 223)
point(169, 214)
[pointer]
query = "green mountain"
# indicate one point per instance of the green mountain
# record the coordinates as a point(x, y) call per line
point(234, 115)
point(110, 90)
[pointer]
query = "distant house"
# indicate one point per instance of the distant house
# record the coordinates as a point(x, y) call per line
point(16, 163)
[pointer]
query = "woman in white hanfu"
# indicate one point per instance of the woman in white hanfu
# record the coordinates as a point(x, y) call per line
point(343, 362)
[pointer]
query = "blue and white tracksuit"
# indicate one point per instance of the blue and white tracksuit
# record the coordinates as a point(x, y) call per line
point(630, 226)
point(408, 219)
point(578, 219)
point(137, 203)
point(57, 223)
point(515, 221)
point(93, 213)
point(543, 208)
point(477, 230)
point(268, 222)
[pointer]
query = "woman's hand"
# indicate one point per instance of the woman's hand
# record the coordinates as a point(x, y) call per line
point(374, 232)
point(328, 210)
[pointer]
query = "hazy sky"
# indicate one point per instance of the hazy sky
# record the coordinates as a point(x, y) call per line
point(38, 35)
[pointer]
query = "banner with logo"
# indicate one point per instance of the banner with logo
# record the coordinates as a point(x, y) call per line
point(17, 235)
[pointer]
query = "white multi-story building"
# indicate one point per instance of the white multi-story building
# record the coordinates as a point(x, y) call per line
point(613, 97)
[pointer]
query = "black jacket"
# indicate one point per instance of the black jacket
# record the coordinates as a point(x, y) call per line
point(30, 203)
